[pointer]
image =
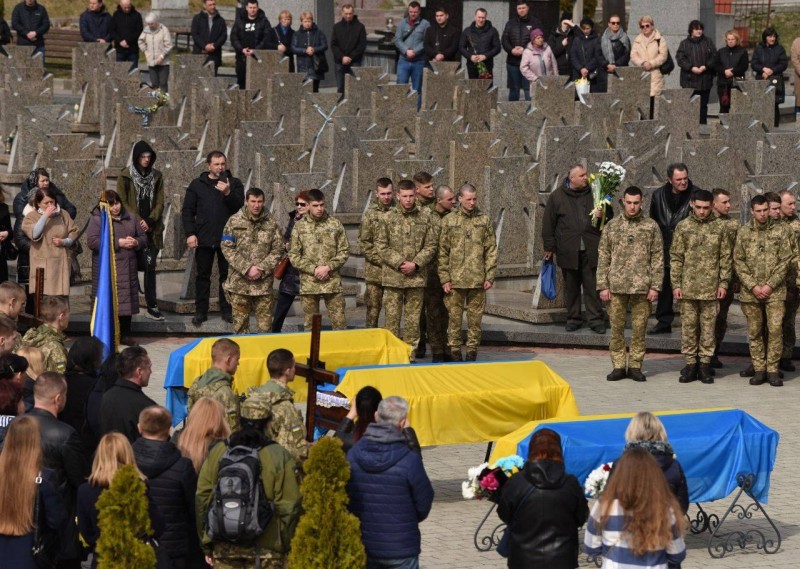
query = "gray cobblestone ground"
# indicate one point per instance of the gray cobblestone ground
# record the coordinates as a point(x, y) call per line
point(447, 535)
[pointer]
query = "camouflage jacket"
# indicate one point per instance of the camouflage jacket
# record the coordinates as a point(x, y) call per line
point(700, 259)
point(406, 236)
point(251, 241)
point(51, 342)
point(467, 250)
point(367, 236)
point(631, 256)
point(792, 276)
point(437, 219)
point(318, 242)
point(425, 203)
point(286, 427)
point(216, 384)
point(762, 256)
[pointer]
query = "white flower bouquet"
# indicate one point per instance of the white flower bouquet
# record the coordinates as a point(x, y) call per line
point(605, 184)
point(597, 479)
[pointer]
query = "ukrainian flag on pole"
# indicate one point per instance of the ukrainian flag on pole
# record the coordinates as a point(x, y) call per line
point(105, 323)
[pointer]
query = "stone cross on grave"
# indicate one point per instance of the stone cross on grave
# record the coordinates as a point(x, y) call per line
point(316, 374)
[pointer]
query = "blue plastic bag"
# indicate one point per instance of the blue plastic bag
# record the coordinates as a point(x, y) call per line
point(548, 279)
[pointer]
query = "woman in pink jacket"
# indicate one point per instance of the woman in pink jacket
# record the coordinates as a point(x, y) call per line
point(538, 59)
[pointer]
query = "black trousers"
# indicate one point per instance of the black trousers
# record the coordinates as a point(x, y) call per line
point(241, 71)
point(204, 257)
point(584, 277)
point(282, 307)
point(704, 95)
point(664, 312)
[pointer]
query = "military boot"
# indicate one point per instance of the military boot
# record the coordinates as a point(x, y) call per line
point(759, 378)
point(688, 373)
point(786, 364)
point(471, 356)
point(749, 371)
point(705, 374)
point(636, 374)
point(617, 374)
point(774, 379)
point(455, 355)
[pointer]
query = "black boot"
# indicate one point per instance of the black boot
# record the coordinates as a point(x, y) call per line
point(688, 373)
point(759, 378)
point(774, 379)
point(455, 355)
point(471, 356)
point(749, 371)
point(617, 374)
point(705, 374)
point(636, 374)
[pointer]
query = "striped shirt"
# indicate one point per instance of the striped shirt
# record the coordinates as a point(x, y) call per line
point(615, 548)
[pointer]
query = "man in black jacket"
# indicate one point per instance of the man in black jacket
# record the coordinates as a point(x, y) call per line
point(560, 41)
point(441, 40)
point(124, 400)
point(29, 19)
point(95, 23)
point(670, 206)
point(5, 34)
point(209, 33)
point(250, 32)
point(516, 36)
point(479, 44)
point(63, 452)
point(348, 43)
point(172, 483)
point(210, 200)
point(126, 27)
point(571, 230)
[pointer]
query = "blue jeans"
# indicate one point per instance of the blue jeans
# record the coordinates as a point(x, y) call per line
point(132, 57)
point(39, 49)
point(517, 81)
point(413, 70)
point(406, 563)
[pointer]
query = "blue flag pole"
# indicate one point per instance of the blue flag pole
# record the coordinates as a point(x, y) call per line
point(105, 321)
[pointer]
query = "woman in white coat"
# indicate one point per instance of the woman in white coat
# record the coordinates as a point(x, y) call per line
point(649, 51)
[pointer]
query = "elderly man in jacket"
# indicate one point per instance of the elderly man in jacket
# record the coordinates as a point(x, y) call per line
point(571, 230)
point(389, 490)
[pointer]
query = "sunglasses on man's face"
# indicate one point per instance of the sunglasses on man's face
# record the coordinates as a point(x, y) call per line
point(614, 23)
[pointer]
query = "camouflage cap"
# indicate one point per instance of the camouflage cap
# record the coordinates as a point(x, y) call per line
point(256, 407)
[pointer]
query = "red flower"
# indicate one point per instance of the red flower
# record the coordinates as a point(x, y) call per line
point(489, 482)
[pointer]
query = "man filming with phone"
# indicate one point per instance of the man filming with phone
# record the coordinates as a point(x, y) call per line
point(210, 200)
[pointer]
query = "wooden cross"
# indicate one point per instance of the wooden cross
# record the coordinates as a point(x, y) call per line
point(316, 374)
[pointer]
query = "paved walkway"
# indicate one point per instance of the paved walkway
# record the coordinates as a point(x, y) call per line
point(447, 534)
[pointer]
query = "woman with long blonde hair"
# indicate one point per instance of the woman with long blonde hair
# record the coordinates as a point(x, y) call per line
point(637, 521)
point(22, 478)
point(36, 368)
point(205, 425)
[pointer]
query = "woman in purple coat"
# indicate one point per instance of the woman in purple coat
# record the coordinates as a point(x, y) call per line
point(129, 238)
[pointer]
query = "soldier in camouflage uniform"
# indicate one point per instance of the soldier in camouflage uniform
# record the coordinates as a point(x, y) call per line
point(434, 311)
point(467, 266)
point(407, 244)
point(629, 273)
point(761, 258)
point(700, 261)
point(319, 249)
point(792, 294)
point(287, 427)
point(217, 381)
point(253, 245)
point(423, 185)
point(721, 208)
point(367, 233)
point(278, 475)
point(49, 337)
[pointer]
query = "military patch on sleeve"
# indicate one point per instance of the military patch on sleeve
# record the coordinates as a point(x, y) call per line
point(296, 428)
point(229, 238)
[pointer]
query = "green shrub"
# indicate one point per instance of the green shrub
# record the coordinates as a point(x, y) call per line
point(124, 520)
point(328, 536)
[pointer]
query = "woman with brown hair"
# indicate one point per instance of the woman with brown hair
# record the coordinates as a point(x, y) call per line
point(205, 425)
point(11, 405)
point(637, 521)
point(36, 368)
point(23, 483)
point(543, 507)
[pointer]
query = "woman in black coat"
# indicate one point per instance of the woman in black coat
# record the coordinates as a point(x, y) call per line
point(697, 57)
point(732, 63)
point(83, 372)
point(284, 34)
point(586, 56)
point(309, 44)
point(543, 507)
point(769, 63)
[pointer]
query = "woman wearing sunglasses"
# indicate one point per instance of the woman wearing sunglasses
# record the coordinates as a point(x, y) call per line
point(649, 50)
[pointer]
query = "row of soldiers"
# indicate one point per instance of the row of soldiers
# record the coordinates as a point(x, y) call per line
point(711, 257)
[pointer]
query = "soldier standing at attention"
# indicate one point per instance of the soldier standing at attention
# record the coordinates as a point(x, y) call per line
point(629, 273)
point(434, 308)
point(423, 184)
point(792, 293)
point(287, 427)
point(253, 245)
point(467, 266)
point(216, 382)
point(373, 266)
point(700, 263)
point(407, 244)
point(318, 249)
point(761, 258)
point(721, 207)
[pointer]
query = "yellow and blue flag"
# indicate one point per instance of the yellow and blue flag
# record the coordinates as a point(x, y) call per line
point(105, 322)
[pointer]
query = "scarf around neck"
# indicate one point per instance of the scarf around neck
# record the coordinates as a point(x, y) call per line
point(608, 37)
point(145, 187)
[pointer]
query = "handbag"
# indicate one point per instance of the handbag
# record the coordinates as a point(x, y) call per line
point(669, 65)
point(548, 280)
point(725, 96)
point(45, 546)
point(503, 545)
point(320, 63)
point(280, 268)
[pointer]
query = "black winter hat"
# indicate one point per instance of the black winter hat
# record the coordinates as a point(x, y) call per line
point(566, 16)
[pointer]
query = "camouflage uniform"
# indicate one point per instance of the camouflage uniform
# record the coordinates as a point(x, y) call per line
point(434, 317)
point(251, 241)
point(630, 263)
point(761, 256)
point(287, 427)
point(405, 236)
point(51, 342)
point(792, 299)
point(721, 325)
point(425, 203)
point(216, 384)
point(700, 263)
point(373, 266)
point(317, 242)
point(467, 258)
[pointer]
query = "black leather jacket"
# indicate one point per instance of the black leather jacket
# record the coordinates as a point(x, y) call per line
point(63, 452)
point(667, 219)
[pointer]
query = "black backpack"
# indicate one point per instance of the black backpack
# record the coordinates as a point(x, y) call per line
point(239, 511)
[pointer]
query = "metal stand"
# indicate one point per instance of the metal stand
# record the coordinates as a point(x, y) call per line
point(703, 521)
point(490, 540)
